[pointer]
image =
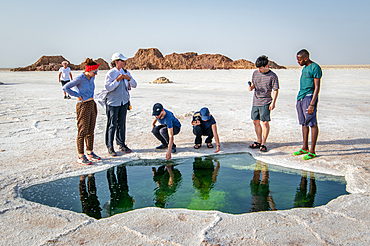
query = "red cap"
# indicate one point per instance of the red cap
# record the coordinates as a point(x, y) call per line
point(91, 67)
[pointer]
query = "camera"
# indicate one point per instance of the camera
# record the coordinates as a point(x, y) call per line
point(196, 118)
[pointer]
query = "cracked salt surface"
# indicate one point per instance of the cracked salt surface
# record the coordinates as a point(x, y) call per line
point(33, 157)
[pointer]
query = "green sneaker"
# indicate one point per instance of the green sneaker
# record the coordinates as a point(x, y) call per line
point(309, 156)
point(300, 152)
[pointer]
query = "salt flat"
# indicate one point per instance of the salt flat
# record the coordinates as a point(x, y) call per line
point(37, 144)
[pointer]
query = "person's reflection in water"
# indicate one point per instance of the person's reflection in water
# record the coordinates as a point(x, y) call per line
point(204, 175)
point(302, 199)
point(120, 200)
point(168, 179)
point(89, 199)
point(260, 189)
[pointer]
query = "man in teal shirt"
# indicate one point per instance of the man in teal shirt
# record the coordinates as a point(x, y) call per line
point(307, 102)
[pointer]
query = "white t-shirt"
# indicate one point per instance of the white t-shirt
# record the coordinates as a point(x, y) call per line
point(65, 73)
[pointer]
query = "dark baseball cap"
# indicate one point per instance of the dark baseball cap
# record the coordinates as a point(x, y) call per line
point(204, 113)
point(157, 109)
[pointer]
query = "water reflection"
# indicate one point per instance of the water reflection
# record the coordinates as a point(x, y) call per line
point(302, 198)
point(242, 185)
point(204, 175)
point(120, 200)
point(89, 199)
point(168, 179)
point(260, 189)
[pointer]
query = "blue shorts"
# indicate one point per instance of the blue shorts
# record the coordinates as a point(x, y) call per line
point(261, 112)
point(304, 118)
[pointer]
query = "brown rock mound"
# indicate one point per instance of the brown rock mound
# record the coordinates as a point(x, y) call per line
point(274, 65)
point(153, 59)
point(53, 63)
point(161, 80)
point(104, 65)
point(45, 63)
point(146, 59)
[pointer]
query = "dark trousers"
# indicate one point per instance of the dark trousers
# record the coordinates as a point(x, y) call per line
point(161, 133)
point(116, 123)
point(199, 132)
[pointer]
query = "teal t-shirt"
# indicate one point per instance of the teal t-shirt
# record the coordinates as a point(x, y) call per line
point(307, 85)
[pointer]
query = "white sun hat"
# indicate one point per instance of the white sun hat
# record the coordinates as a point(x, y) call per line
point(118, 56)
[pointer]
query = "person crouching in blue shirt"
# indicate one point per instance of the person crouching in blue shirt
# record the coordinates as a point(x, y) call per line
point(165, 132)
point(205, 125)
point(86, 110)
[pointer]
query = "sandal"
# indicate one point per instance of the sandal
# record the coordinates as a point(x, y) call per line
point(300, 152)
point(263, 148)
point(209, 145)
point(255, 145)
point(309, 156)
point(197, 146)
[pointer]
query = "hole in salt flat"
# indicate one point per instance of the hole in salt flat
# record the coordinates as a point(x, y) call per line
point(230, 183)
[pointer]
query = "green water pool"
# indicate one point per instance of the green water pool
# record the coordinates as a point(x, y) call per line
point(230, 183)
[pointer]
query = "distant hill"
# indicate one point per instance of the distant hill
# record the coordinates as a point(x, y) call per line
point(53, 63)
point(152, 58)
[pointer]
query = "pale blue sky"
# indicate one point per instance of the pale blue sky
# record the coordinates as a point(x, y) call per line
point(334, 31)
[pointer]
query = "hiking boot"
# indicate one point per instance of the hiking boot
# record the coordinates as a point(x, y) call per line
point(93, 157)
point(162, 146)
point(83, 160)
point(112, 152)
point(125, 149)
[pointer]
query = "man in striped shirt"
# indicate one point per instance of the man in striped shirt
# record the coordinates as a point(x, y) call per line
point(264, 83)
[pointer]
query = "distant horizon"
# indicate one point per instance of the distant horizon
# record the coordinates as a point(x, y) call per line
point(336, 66)
point(108, 60)
point(333, 31)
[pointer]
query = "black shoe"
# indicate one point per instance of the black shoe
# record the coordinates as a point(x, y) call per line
point(125, 149)
point(65, 97)
point(162, 146)
point(68, 97)
point(173, 150)
point(112, 152)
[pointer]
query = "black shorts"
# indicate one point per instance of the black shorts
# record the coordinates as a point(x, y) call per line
point(64, 82)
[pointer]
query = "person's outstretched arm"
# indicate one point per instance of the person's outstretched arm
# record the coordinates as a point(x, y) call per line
point(215, 134)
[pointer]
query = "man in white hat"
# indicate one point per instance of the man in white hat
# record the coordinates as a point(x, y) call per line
point(118, 83)
point(64, 74)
